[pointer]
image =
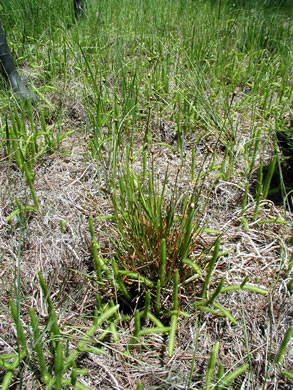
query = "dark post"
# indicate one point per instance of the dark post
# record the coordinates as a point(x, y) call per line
point(7, 66)
point(9, 71)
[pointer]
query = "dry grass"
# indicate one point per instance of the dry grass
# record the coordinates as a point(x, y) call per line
point(69, 189)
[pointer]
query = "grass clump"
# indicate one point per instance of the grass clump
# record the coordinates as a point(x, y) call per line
point(154, 237)
point(154, 248)
point(26, 141)
point(46, 351)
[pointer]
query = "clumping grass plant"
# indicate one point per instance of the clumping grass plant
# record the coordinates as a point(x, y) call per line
point(146, 198)
point(154, 248)
point(154, 239)
point(48, 355)
point(26, 141)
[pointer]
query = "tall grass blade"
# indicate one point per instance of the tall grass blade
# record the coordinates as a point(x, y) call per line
point(174, 317)
point(21, 340)
point(39, 347)
point(59, 366)
point(29, 179)
point(211, 268)
point(220, 375)
point(52, 321)
point(158, 298)
point(269, 176)
point(163, 257)
point(211, 366)
point(284, 344)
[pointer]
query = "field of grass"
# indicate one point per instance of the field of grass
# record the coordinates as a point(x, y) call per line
point(146, 199)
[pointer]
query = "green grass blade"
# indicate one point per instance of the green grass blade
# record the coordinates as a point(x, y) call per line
point(216, 292)
point(163, 257)
point(137, 277)
point(284, 344)
point(155, 330)
point(225, 312)
point(176, 290)
point(59, 366)
point(211, 366)
point(269, 176)
point(99, 319)
point(229, 378)
point(146, 304)
point(29, 180)
point(220, 375)
point(19, 329)
point(158, 297)
point(172, 334)
point(39, 347)
point(288, 374)
point(211, 268)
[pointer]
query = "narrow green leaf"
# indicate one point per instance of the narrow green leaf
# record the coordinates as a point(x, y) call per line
point(156, 330)
point(188, 231)
point(29, 180)
point(249, 287)
point(211, 366)
point(136, 323)
point(73, 375)
point(210, 310)
point(225, 312)
point(158, 297)
point(172, 334)
point(193, 164)
point(99, 319)
point(146, 304)
point(38, 345)
point(229, 378)
point(242, 285)
point(20, 210)
point(163, 257)
point(59, 365)
point(284, 344)
point(19, 329)
point(217, 291)
point(137, 277)
point(105, 316)
point(288, 374)
point(211, 268)
point(52, 323)
point(155, 320)
point(269, 176)
point(175, 290)
point(220, 375)
point(193, 265)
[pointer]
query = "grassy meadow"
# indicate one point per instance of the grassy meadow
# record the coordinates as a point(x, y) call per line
point(146, 198)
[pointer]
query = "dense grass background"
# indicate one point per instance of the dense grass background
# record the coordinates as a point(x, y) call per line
point(146, 199)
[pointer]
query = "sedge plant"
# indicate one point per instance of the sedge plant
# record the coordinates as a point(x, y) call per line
point(46, 351)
